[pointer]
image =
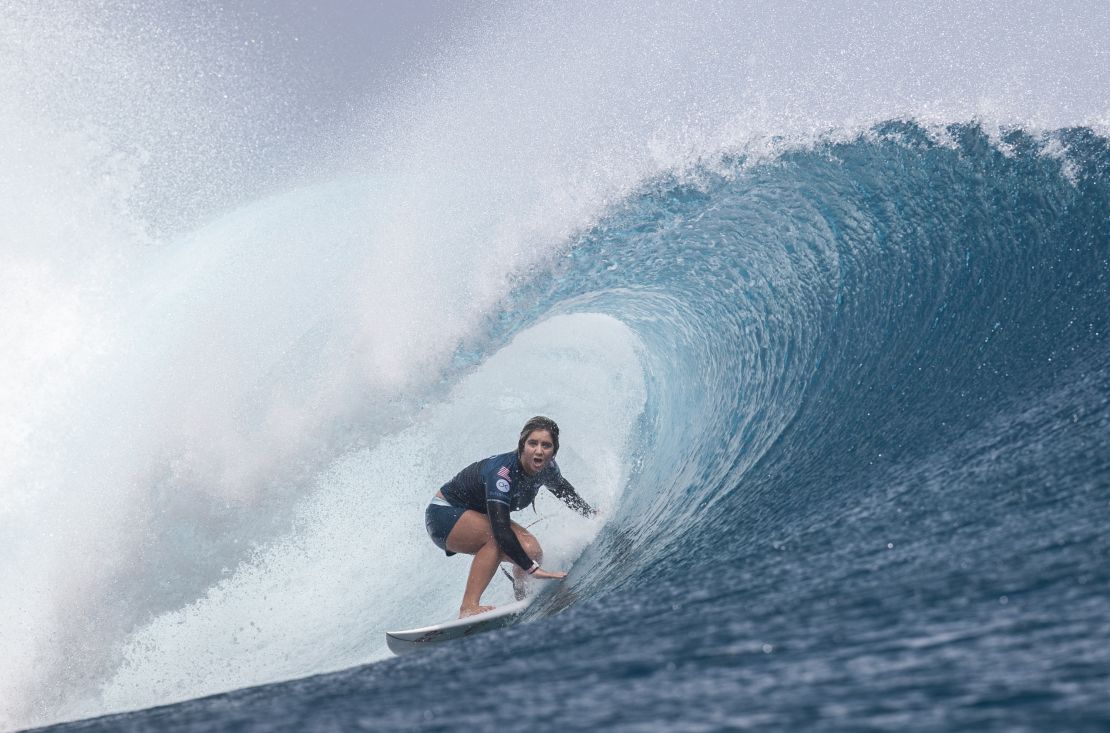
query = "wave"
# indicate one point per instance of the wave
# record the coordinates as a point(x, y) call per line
point(730, 354)
point(752, 285)
point(814, 324)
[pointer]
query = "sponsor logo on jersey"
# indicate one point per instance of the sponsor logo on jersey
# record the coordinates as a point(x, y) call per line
point(502, 485)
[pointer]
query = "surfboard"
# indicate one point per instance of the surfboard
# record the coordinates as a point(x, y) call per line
point(411, 640)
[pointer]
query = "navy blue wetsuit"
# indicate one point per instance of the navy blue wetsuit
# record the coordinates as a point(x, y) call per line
point(498, 485)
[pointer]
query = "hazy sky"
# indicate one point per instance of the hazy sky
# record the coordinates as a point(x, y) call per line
point(246, 96)
point(345, 45)
point(346, 50)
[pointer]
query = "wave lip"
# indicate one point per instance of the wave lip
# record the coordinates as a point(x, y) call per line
point(851, 305)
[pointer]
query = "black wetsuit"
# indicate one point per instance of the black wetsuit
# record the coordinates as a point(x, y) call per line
point(498, 485)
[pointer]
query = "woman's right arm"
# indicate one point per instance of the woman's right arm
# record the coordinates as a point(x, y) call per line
point(499, 522)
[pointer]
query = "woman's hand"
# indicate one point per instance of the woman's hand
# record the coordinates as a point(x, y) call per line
point(549, 574)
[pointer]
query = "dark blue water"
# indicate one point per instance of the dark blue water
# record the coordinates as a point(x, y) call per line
point(872, 481)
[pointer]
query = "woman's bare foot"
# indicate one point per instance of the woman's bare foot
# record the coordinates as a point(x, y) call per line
point(475, 610)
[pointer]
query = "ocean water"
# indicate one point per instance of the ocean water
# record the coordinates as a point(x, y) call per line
point(820, 299)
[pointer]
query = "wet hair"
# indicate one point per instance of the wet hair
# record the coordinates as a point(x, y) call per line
point(539, 422)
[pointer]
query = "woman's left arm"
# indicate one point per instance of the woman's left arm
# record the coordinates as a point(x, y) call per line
point(570, 497)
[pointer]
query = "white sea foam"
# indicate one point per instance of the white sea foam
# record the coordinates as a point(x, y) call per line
point(358, 561)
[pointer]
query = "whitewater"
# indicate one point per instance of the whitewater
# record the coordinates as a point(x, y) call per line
point(818, 295)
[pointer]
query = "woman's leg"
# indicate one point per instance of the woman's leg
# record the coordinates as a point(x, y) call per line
point(472, 535)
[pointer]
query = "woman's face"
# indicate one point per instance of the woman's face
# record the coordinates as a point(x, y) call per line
point(537, 452)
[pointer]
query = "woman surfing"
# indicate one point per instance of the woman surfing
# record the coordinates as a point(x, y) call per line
point(470, 513)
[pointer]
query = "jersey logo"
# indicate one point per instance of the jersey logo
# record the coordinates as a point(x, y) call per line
point(503, 472)
point(502, 485)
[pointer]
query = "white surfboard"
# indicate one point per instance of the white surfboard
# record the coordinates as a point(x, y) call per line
point(410, 640)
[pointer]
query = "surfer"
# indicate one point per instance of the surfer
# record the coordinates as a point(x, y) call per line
point(470, 513)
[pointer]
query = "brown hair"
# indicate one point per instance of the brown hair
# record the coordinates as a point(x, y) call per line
point(539, 422)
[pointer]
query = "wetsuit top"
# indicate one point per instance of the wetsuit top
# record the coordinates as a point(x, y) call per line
point(498, 485)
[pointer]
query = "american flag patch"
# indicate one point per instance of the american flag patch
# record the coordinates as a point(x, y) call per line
point(503, 472)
